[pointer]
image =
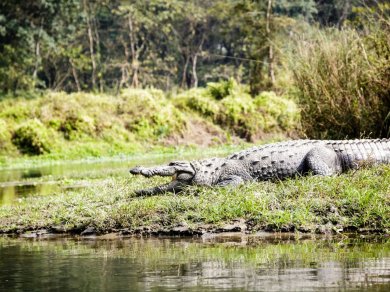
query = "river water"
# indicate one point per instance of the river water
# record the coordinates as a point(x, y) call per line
point(262, 262)
point(228, 263)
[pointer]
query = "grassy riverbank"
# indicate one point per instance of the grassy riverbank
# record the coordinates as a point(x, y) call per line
point(356, 201)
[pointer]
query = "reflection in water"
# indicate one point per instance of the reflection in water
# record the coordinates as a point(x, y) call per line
point(195, 265)
point(8, 193)
point(31, 173)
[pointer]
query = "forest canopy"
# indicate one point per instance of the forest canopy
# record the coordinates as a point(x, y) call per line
point(330, 57)
point(85, 45)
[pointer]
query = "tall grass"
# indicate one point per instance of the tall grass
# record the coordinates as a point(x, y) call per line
point(343, 79)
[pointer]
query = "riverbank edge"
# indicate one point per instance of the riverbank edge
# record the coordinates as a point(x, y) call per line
point(236, 227)
point(353, 202)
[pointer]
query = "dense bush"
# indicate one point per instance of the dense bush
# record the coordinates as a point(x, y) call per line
point(230, 105)
point(199, 101)
point(344, 83)
point(5, 135)
point(279, 111)
point(85, 124)
point(149, 114)
point(32, 138)
point(222, 89)
point(70, 114)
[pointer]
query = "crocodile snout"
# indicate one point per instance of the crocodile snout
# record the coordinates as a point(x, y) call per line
point(136, 170)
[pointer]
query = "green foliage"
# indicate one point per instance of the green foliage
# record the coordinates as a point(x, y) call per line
point(237, 112)
point(71, 118)
point(104, 45)
point(343, 81)
point(222, 89)
point(149, 114)
point(246, 117)
point(110, 45)
point(198, 100)
point(32, 138)
point(281, 112)
point(137, 119)
point(116, 124)
point(76, 125)
point(5, 136)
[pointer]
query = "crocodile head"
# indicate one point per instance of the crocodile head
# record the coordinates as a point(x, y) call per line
point(182, 173)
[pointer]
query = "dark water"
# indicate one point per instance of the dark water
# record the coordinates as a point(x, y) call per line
point(230, 263)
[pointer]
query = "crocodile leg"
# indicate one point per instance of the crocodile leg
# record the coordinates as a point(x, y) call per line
point(173, 186)
point(323, 161)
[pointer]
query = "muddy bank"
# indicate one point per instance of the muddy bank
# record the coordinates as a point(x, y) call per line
point(239, 227)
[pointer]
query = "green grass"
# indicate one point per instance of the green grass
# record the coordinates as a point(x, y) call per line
point(352, 201)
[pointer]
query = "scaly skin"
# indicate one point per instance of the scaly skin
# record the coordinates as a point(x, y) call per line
point(271, 162)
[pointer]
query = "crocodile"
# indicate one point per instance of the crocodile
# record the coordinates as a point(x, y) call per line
point(274, 161)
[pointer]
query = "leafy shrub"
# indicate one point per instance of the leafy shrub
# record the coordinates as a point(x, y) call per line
point(245, 116)
point(32, 138)
point(343, 80)
point(14, 109)
point(5, 135)
point(222, 89)
point(69, 114)
point(278, 111)
point(197, 100)
point(237, 112)
point(150, 114)
point(75, 126)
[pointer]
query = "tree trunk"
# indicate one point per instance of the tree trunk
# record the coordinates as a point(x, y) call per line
point(184, 76)
point(271, 72)
point(344, 14)
point(134, 54)
point(125, 67)
point(37, 54)
point(97, 41)
point(194, 75)
point(194, 62)
point(75, 76)
point(91, 44)
point(60, 81)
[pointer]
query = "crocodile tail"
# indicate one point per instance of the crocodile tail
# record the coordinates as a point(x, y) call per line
point(354, 153)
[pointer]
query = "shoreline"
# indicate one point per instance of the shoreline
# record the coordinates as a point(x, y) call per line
point(236, 228)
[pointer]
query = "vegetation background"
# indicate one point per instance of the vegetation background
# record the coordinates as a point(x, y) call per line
point(89, 78)
point(82, 78)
